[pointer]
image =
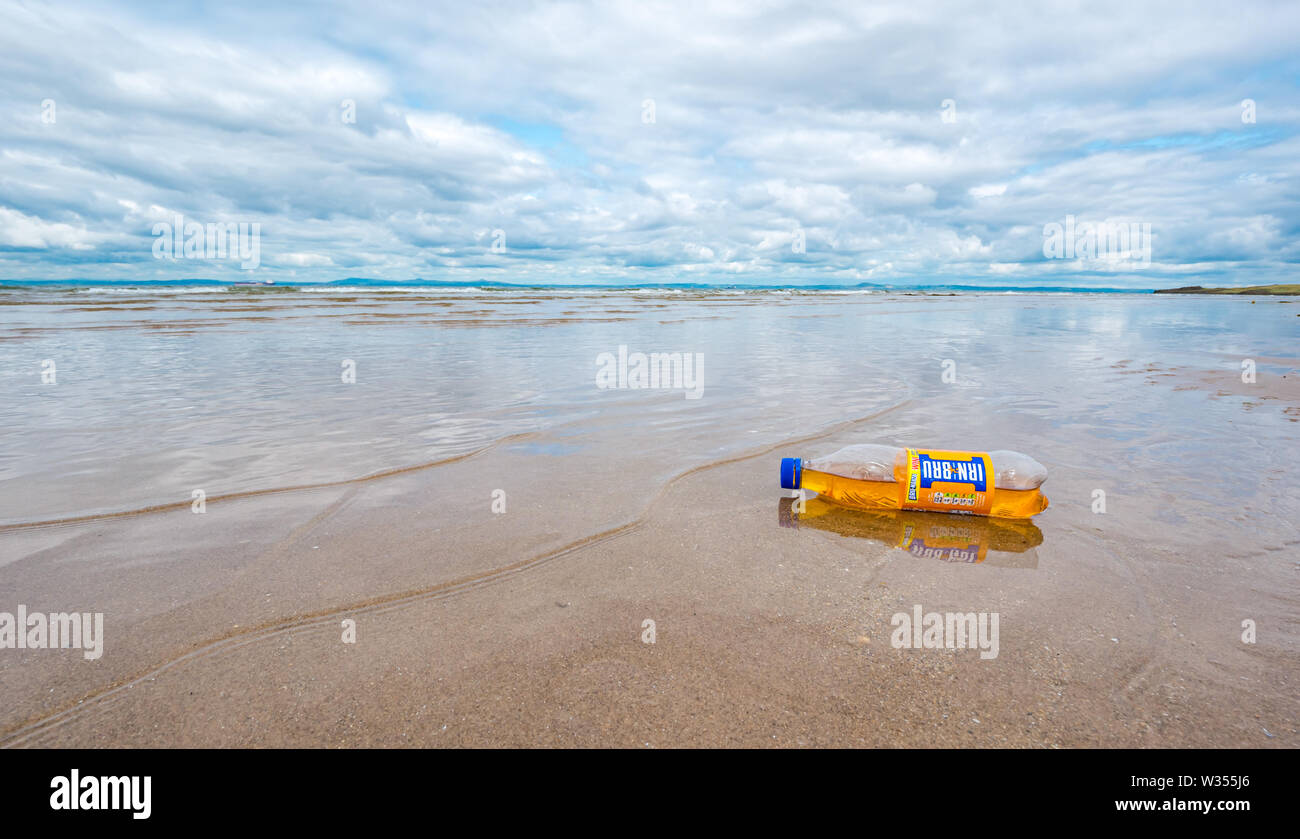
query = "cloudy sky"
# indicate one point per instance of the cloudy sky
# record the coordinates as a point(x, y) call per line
point(653, 142)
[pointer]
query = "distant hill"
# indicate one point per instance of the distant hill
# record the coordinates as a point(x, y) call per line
point(1254, 289)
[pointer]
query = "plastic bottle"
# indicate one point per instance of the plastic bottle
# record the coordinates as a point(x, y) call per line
point(1002, 484)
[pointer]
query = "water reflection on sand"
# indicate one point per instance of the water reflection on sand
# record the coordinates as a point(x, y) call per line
point(942, 536)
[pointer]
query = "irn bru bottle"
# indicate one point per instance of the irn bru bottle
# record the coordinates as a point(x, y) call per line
point(1001, 484)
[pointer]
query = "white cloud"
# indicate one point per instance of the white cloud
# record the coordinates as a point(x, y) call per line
point(18, 230)
point(302, 260)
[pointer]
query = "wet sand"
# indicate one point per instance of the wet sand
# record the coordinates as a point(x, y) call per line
point(765, 635)
point(526, 627)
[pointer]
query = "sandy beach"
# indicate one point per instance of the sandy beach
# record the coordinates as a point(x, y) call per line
point(525, 624)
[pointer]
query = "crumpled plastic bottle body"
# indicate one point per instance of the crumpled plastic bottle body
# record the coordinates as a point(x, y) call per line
point(867, 475)
point(873, 462)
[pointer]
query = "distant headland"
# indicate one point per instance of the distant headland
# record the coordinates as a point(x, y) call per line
point(1286, 288)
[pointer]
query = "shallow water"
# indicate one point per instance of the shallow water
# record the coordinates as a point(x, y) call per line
point(161, 392)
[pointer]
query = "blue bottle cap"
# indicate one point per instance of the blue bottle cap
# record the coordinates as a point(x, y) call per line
point(791, 473)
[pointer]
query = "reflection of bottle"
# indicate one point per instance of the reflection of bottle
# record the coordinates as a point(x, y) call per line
point(921, 534)
point(1001, 484)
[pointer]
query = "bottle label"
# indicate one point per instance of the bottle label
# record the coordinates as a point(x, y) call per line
point(947, 481)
